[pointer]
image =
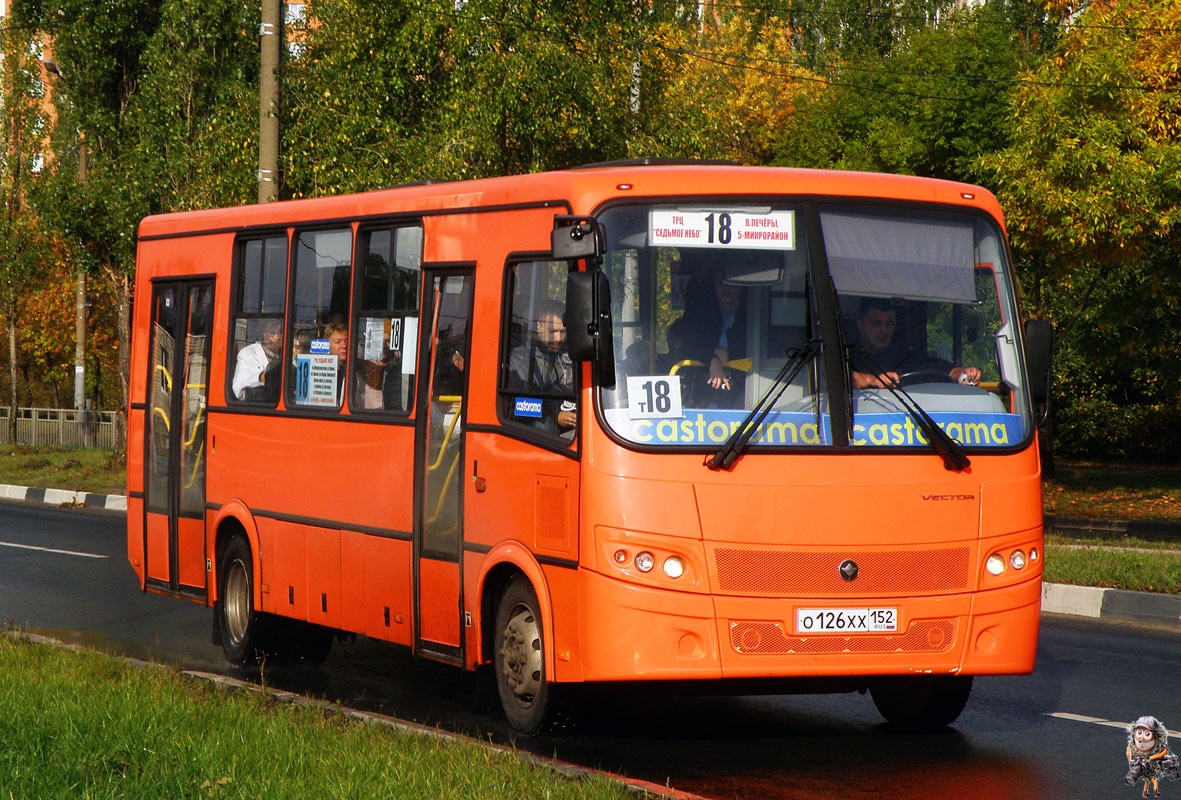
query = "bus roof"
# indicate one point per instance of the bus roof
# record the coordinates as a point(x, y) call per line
point(579, 190)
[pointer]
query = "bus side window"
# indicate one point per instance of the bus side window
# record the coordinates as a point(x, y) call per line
point(386, 340)
point(260, 290)
point(321, 278)
point(537, 377)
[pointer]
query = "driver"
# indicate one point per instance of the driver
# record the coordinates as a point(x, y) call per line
point(878, 359)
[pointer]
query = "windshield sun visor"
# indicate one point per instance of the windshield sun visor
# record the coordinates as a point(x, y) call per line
point(919, 256)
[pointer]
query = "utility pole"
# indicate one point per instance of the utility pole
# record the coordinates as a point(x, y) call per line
point(269, 33)
point(80, 306)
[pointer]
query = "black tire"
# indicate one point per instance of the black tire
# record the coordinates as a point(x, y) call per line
point(519, 660)
point(248, 636)
point(922, 702)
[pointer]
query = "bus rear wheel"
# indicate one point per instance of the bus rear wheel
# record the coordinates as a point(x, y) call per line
point(519, 659)
point(922, 702)
point(247, 636)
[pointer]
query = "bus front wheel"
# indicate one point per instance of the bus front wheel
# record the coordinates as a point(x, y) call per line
point(519, 659)
point(246, 634)
point(922, 702)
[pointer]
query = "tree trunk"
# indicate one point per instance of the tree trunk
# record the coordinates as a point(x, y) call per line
point(121, 282)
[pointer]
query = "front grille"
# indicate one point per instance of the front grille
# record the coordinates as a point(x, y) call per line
point(769, 638)
point(796, 572)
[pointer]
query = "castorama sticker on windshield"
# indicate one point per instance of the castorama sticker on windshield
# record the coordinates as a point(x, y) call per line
point(722, 228)
point(714, 426)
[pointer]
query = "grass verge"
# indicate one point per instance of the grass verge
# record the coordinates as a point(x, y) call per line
point(80, 469)
point(1155, 568)
point(80, 724)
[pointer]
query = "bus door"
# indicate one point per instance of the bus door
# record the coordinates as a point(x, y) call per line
point(439, 460)
point(174, 529)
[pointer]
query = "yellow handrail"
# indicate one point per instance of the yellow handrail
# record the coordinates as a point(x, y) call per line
point(740, 364)
point(458, 402)
point(443, 490)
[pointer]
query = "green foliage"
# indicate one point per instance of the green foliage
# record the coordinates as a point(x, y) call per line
point(382, 95)
point(162, 93)
point(1094, 169)
point(932, 107)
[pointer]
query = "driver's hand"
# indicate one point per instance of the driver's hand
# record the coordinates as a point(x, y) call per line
point(966, 375)
point(717, 375)
point(864, 380)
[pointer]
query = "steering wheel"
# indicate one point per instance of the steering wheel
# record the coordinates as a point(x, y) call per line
point(924, 376)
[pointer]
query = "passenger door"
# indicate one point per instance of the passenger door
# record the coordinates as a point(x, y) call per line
point(174, 530)
point(439, 460)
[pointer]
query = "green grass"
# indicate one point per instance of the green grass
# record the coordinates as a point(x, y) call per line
point(81, 469)
point(84, 725)
point(1091, 565)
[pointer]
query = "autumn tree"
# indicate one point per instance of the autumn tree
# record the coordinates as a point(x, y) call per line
point(380, 95)
point(932, 106)
point(162, 92)
point(21, 146)
point(1092, 186)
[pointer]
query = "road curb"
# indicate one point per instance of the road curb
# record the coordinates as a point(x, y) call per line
point(60, 497)
point(1117, 604)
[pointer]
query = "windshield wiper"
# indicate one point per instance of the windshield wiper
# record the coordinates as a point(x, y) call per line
point(739, 440)
point(951, 451)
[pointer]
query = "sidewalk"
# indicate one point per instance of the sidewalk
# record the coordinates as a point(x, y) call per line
point(64, 497)
point(1057, 598)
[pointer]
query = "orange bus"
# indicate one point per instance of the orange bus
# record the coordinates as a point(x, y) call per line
point(757, 429)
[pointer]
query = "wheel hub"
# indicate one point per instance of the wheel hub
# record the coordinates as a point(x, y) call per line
point(237, 602)
point(520, 654)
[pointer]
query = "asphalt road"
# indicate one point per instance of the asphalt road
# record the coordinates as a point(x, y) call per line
point(63, 572)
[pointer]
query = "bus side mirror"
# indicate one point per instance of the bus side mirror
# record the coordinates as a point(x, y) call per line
point(588, 323)
point(1039, 350)
point(575, 237)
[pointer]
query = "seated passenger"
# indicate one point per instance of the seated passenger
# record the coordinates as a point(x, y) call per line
point(337, 334)
point(878, 358)
point(255, 373)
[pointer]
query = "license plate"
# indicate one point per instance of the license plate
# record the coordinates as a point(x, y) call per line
point(846, 620)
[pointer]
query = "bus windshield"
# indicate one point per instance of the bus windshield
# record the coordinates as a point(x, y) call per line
point(709, 302)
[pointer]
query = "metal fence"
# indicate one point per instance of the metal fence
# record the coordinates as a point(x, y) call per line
point(60, 427)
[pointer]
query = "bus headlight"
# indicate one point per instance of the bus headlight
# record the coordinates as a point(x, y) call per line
point(1017, 560)
point(645, 561)
point(674, 567)
point(995, 564)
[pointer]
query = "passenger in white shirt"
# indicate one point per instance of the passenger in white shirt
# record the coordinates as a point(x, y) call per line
point(256, 359)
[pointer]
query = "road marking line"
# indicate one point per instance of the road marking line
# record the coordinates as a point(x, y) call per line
point(52, 550)
point(1123, 726)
